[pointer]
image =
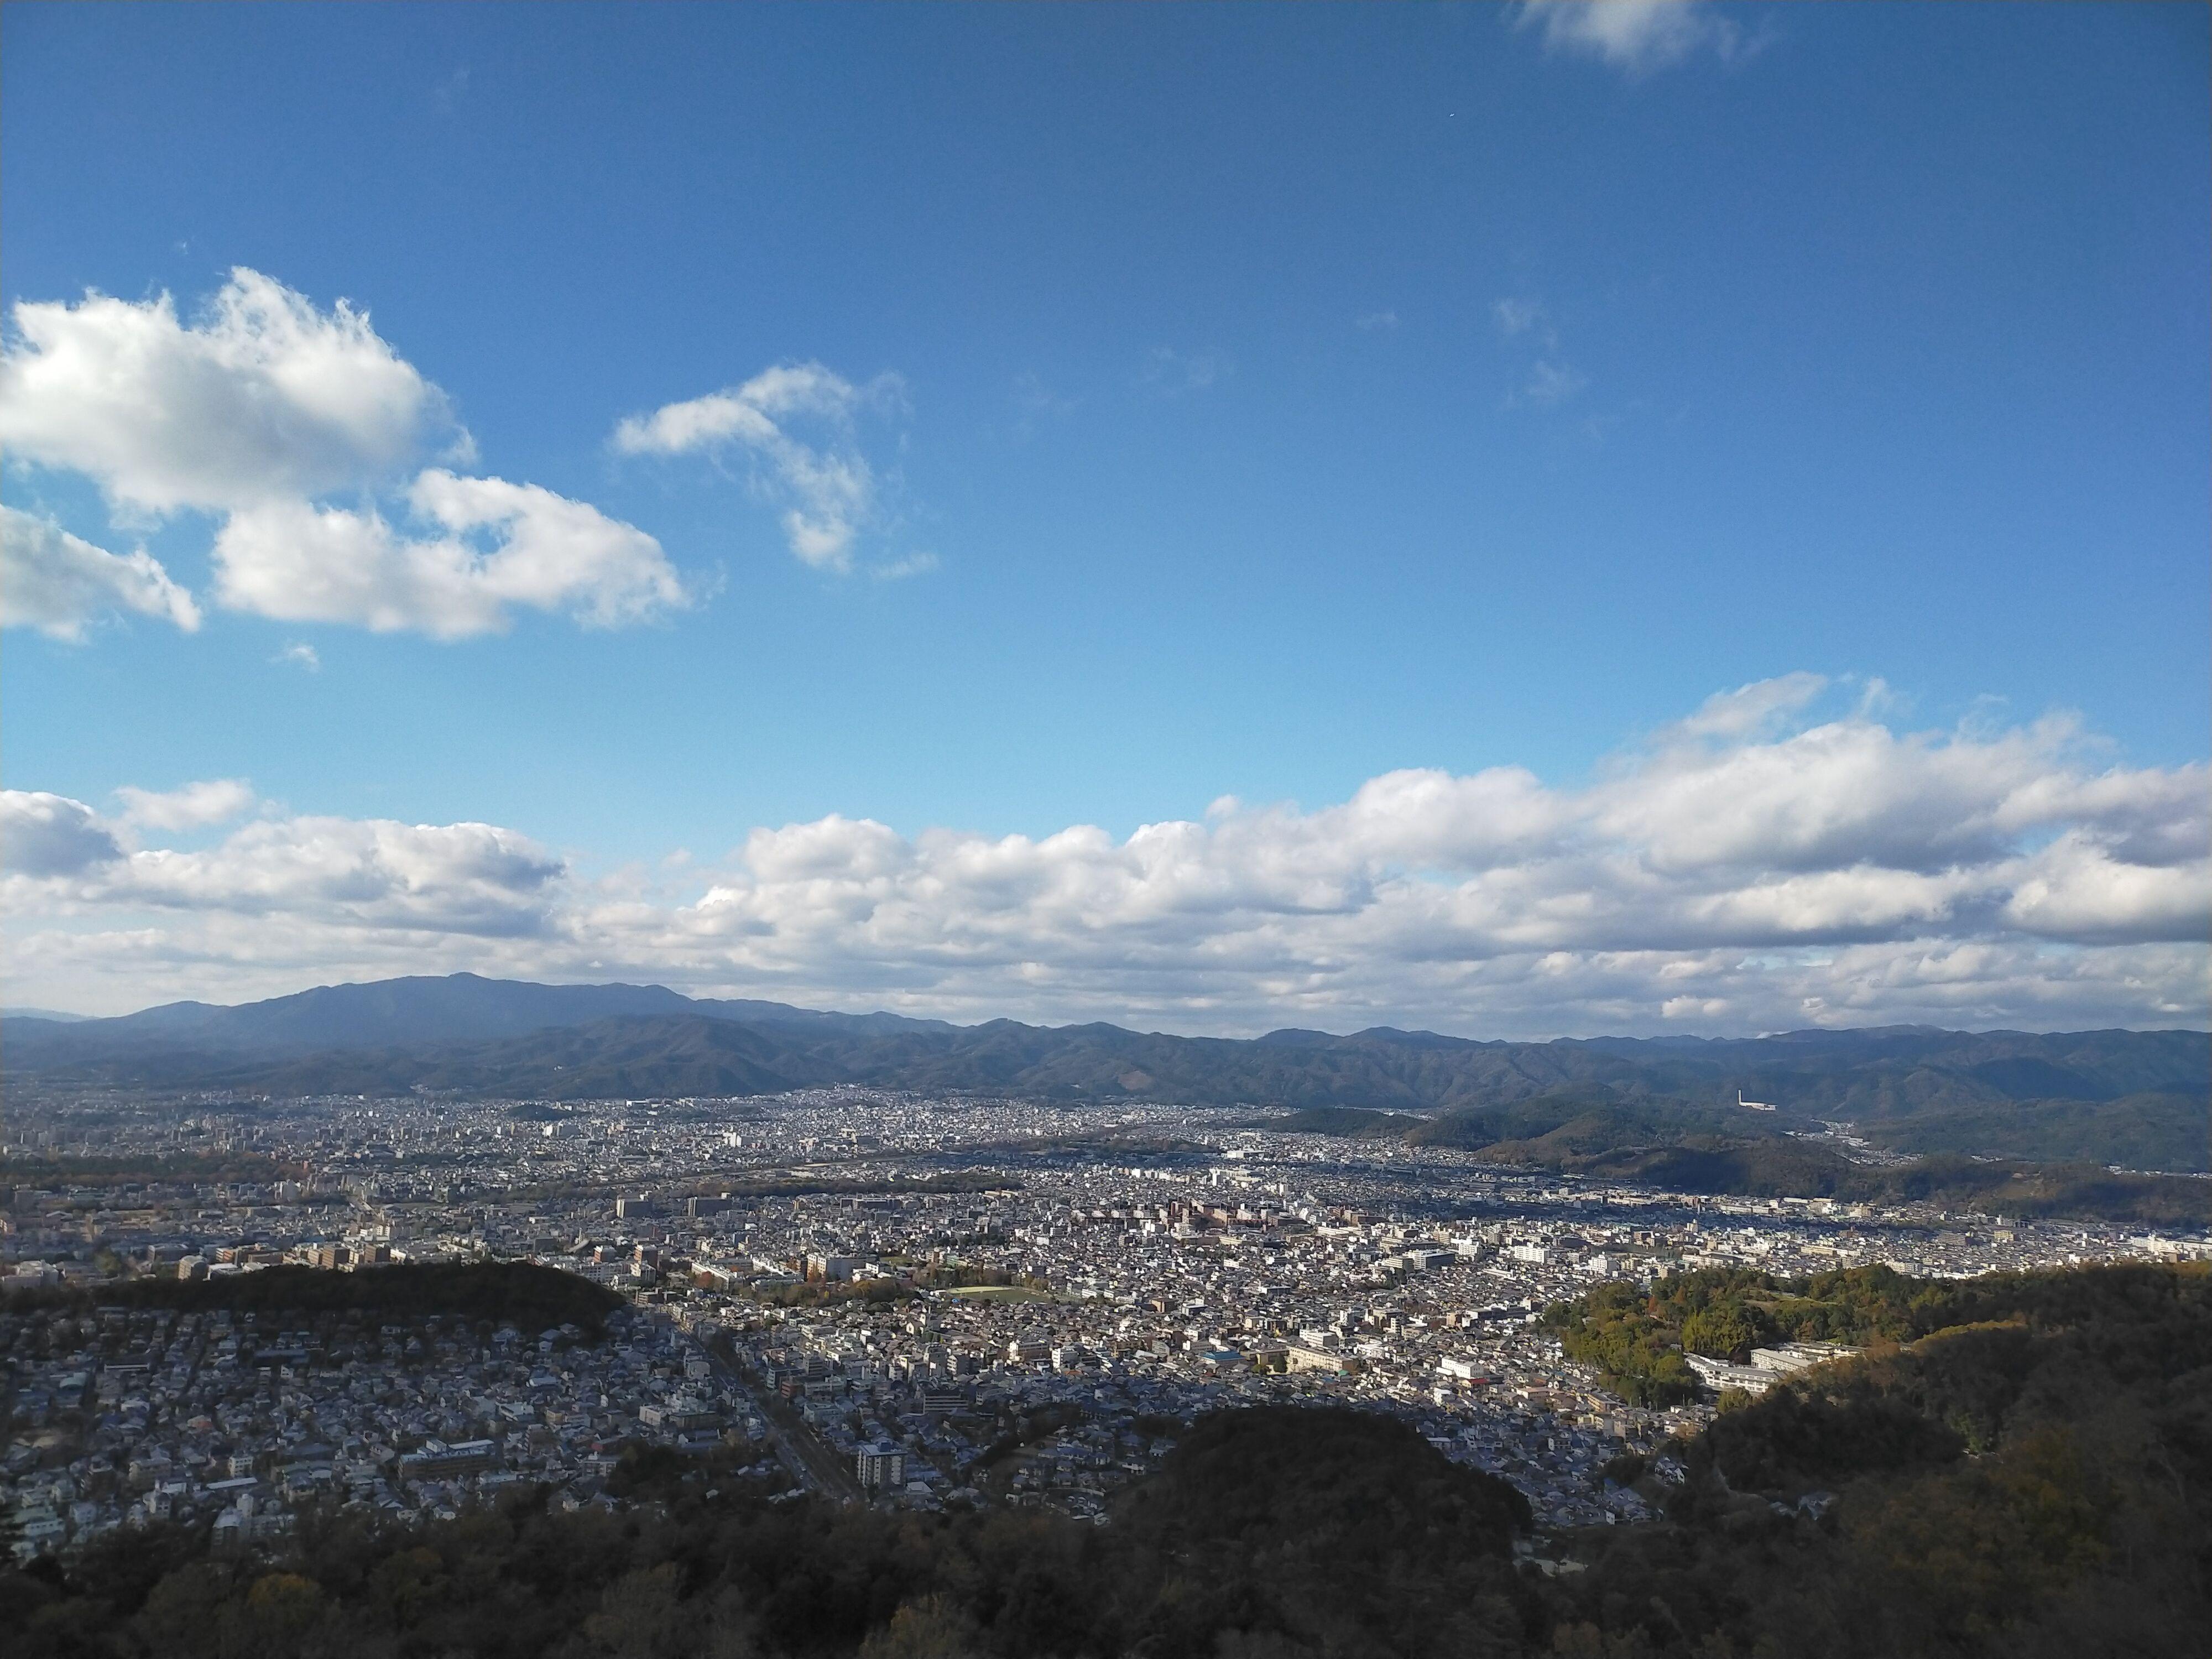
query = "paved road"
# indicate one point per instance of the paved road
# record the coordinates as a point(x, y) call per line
point(802, 1452)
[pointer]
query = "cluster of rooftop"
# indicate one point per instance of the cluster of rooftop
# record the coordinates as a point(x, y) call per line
point(873, 1295)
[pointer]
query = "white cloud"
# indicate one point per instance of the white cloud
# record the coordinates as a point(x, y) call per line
point(1750, 709)
point(332, 877)
point(1375, 320)
point(2078, 887)
point(44, 837)
point(1636, 36)
point(300, 656)
point(194, 806)
point(58, 583)
point(265, 396)
point(1751, 867)
point(827, 488)
point(259, 410)
point(448, 878)
point(494, 545)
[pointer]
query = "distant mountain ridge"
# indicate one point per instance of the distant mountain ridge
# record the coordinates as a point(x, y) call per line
point(2135, 1097)
point(455, 1008)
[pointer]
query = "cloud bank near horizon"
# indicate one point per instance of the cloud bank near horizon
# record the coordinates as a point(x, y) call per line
point(1749, 867)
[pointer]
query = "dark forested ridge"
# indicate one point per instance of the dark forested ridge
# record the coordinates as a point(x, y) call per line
point(2019, 1464)
point(2136, 1098)
point(2016, 1466)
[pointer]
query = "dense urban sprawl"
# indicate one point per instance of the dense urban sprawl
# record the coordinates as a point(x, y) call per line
point(877, 1297)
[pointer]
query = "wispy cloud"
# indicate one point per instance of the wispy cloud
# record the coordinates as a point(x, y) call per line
point(1037, 400)
point(1517, 317)
point(1376, 321)
point(1549, 379)
point(300, 656)
point(1037, 405)
point(799, 423)
point(1171, 374)
point(913, 564)
point(1635, 36)
point(61, 584)
point(1551, 384)
point(446, 95)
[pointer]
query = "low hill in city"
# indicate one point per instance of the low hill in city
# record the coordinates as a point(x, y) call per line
point(1686, 1148)
point(2135, 1099)
point(1343, 1529)
point(2017, 1464)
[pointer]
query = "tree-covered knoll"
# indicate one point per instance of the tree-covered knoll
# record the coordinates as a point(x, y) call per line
point(2027, 1472)
point(1600, 1134)
point(1636, 1335)
point(1281, 1532)
point(1341, 1529)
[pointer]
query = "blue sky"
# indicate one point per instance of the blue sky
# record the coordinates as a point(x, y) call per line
point(1246, 403)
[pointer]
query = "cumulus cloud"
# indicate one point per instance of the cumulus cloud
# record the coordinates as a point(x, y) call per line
point(59, 584)
point(822, 481)
point(1750, 867)
point(263, 395)
point(339, 876)
point(1635, 36)
point(44, 836)
point(259, 410)
point(492, 545)
point(194, 806)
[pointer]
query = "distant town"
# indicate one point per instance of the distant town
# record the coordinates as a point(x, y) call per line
point(873, 1296)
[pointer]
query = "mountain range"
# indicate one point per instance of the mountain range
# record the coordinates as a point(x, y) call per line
point(2136, 1098)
